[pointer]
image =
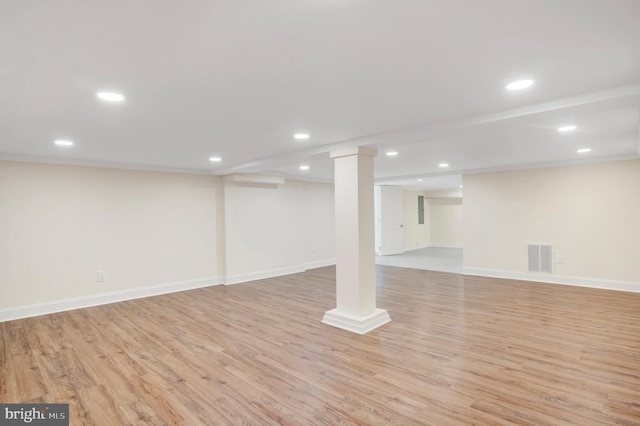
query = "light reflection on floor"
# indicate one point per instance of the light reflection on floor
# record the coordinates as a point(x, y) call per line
point(430, 258)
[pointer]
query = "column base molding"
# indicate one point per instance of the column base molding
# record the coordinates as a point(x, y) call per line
point(356, 324)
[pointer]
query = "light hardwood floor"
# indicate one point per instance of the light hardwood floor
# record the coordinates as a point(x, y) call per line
point(459, 350)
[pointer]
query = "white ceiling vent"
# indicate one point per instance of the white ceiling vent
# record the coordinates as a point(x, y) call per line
point(540, 258)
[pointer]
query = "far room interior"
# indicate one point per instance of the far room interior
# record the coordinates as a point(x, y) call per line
point(429, 227)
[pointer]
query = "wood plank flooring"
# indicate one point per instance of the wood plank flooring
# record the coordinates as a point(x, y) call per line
point(459, 350)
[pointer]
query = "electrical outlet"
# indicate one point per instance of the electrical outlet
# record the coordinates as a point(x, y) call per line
point(102, 276)
point(559, 258)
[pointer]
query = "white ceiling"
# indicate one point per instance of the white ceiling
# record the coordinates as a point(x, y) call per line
point(237, 79)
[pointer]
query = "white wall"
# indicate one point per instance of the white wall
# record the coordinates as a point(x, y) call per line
point(320, 224)
point(59, 225)
point(588, 212)
point(151, 232)
point(446, 222)
point(277, 230)
point(415, 235)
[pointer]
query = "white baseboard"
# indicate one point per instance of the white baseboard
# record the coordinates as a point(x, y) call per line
point(388, 252)
point(253, 276)
point(278, 272)
point(417, 247)
point(25, 311)
point(556, 279)
point(457, 246)
point(320, 263)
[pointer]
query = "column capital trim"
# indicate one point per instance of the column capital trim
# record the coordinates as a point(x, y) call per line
point(353, 150)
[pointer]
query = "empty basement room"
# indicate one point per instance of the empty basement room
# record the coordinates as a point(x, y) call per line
point(190, 213)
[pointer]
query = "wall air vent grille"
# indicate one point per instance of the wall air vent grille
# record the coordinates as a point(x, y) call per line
point(540, 258)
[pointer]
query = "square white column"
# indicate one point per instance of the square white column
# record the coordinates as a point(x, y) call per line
point(356, 309)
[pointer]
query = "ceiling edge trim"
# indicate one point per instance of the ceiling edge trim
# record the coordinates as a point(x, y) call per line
point(511, 167)
point(576, 162)
point(100, 164)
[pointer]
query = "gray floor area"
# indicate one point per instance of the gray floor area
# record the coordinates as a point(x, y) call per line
point(430, 258)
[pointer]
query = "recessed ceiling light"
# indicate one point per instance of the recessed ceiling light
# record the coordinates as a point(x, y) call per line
point(301, 136)
point(567, 128)
point(584, 150)
point(461, 186)
point(304, 167)
point(215, 159)
point(61, 142)
point(419, 180)
point(391, 153)
point(443, 165)
point(519, 84)
point(110, 96)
